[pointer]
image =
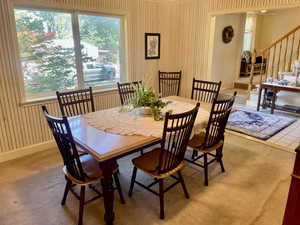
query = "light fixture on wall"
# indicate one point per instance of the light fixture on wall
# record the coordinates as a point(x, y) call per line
point(263, 11)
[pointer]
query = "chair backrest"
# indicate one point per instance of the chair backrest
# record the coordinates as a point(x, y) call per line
point(77, 102)
point(169, 83)
point(176, 134)
point(62, 134)
point(205, 91)
point(219, 114)
point(127, 92)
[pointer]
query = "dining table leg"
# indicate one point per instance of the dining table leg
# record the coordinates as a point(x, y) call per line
point(108, 191)
point(259, 98)
point(264, 103)
point(273, 101)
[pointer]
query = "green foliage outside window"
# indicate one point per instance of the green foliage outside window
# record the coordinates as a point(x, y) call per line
point(48, 65)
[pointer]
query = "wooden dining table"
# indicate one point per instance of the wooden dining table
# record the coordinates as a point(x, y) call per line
point(107, 147)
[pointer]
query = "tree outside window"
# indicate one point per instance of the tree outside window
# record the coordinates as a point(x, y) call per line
point(47, 50)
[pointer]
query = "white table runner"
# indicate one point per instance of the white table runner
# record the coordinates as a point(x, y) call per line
point(130, 123)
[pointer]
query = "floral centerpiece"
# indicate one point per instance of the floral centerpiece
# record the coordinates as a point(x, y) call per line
point(147, 102)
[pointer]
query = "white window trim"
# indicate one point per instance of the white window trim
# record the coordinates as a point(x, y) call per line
point(123, 16)
point(53, 98)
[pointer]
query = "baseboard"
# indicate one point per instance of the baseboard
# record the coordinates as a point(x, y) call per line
point(28, 150)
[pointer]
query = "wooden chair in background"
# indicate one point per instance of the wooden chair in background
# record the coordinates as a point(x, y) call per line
point(167, 160)
point(127, 92)
point(213, 138)
point(78, 102)
point(74, 103)
point(79, 170)
point(169, 83)
point(205, 91)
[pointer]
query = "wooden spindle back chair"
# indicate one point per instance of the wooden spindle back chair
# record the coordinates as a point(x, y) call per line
point(205, 91)
point(77, 102)
point(169, 158)
point(169, 83)
point(219, 115)
point(62, 134)
point(213, 138)
point(127, 92)
point(79, 170)
point(176, 134)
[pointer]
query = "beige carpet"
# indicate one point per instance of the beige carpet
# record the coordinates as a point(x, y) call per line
point(253, 191)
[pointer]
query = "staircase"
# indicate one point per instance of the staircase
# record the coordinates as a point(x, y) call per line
point(279, 56)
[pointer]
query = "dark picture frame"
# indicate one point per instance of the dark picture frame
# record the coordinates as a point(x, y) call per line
point(152, 46)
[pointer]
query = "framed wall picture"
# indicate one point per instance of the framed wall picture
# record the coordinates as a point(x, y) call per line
point(152, 45)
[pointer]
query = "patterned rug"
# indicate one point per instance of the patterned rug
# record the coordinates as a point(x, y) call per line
point(257, 124)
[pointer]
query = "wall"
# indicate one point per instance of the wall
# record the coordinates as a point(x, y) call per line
point(192, 37)
point(225, 56)
point(275, 24)
point(24, 125)
point(184, 25)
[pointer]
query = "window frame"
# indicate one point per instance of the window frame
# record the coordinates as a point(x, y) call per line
point(28, 98)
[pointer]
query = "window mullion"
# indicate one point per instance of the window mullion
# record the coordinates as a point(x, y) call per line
point(77, 48)
point(122, 53)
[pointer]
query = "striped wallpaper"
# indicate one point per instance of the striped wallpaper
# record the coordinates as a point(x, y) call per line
point(23, 125)
point(183, 24)
point(192, 32)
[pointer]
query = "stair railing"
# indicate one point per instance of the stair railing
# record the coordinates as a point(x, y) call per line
point(278, 56)
point(253, 61)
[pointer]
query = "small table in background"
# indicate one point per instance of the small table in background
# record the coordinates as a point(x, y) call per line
point(275, 88)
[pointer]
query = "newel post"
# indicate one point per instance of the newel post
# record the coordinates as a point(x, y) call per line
point(253, 61)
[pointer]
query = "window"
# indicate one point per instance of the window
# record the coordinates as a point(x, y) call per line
point(248, 35)
point(100, 38)
point(67, 50)
point(247, 41)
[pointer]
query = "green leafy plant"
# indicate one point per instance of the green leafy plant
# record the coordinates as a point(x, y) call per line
point(146, 97)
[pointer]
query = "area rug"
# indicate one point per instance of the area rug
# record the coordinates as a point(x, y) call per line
point(257, 124)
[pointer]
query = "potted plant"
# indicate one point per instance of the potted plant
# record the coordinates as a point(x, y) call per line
point(147, 102)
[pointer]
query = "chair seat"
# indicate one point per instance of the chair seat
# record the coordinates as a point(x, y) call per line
point(197, 143)
point(148, 163)
point(91, 169)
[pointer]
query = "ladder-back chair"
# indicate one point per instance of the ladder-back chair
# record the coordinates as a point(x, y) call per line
point(213, 138)
point(127, 92)
point(169, 83)
point(77, 102)
point(205, 91)
point(79, 170)
point(168, 159)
